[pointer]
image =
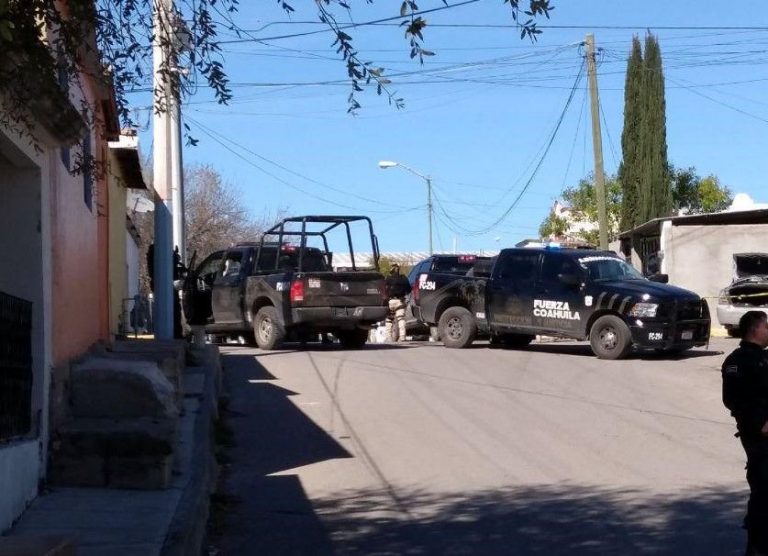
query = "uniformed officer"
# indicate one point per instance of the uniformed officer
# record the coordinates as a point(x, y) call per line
point(745, 393)
point(398, 288)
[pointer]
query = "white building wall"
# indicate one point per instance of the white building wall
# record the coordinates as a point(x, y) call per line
point(700, 258)
point(25, 248)
point(19, 475)
point(132, 265)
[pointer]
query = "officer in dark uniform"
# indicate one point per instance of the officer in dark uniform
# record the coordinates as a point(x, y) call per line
point(398, 288)
point(745, 393)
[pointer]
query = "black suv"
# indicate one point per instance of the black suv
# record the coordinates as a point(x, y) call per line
point(456, 265)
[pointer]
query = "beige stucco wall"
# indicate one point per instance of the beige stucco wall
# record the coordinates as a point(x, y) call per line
point(700, 258)
point(118, 274)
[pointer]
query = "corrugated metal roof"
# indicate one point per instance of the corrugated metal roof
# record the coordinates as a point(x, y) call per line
point(343, 260)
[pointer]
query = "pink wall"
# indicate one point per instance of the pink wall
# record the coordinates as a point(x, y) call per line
point(79, 259)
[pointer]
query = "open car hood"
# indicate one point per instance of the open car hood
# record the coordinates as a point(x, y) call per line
point(748, 265)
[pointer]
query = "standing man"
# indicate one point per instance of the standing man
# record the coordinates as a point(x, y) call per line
point(745, 393)
point(397, 289)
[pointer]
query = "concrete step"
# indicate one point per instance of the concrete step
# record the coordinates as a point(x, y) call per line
point(37, 546)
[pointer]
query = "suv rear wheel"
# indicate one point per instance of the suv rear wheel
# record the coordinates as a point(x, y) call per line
point(610, 338)
point(457, 327)
point(267, 328)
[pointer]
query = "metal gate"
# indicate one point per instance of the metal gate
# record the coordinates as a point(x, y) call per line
point(649, 249)
point(15, 366)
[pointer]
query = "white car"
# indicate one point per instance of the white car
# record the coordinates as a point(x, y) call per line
point(747, 292)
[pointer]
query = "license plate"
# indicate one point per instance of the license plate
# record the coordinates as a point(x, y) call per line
point(687, 335)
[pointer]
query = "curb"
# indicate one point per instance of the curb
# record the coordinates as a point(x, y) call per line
point(187, 532)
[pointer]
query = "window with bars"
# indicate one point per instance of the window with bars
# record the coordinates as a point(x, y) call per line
point(15, 366)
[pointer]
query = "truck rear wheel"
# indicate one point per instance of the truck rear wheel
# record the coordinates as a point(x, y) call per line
point(268, 329)
point(352, 339)
point(610, 338)
point(457, 327)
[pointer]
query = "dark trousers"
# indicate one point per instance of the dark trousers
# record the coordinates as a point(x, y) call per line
point(756, 522)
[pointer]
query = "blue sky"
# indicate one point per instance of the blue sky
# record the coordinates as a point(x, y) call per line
point(478, 115)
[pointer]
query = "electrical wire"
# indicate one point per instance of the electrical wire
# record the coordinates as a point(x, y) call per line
point(351, 25)
point(725, 104)
point(213, 136)
point(575, 138)
point(511, 207)
point(607, 132)
point(292, 172)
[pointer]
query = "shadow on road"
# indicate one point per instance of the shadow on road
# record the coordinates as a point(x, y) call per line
point(546, 520)
point(585, 351)
point(270, 434)
point(316, 347)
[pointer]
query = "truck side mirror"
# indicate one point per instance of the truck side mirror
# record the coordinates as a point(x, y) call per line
point(661, 278)
point(569, 279)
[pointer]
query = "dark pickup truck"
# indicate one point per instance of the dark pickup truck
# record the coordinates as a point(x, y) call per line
point(279, 291)
point(572, 293)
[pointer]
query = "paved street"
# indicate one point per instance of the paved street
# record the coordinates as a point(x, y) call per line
point(424, 450)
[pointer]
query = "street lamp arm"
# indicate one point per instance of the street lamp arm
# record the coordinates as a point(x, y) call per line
point(384, 164)
point(414, 172)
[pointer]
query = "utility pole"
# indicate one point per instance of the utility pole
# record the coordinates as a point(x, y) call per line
point(163, 246)
point(179, 40)
point(429, 210)
point(597, 143)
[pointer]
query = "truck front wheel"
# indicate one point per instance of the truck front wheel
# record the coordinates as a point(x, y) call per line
point(457, 327)
point(610, 338)
point(268, 329)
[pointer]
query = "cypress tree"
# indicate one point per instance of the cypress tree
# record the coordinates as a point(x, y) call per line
point(629, 169)
point(654, 184)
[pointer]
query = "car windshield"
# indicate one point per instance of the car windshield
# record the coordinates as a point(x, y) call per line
point(609, 268)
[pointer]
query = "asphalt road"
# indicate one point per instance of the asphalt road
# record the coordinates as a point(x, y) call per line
point(425, 450)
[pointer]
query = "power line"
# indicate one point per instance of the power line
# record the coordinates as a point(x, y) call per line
point(608, 132)
point(543, 157)
point(575, 138)
point(721, 103)
point(213, 135)
point(348, 26)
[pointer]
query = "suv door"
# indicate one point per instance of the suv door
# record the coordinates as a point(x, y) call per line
point(510, 292)
point(559, 303)
point(197, 289)
point(228, 287)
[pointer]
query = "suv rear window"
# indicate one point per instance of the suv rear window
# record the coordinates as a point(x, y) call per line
point(454, 265)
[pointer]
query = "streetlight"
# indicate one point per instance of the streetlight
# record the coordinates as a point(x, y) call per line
point(384, 164)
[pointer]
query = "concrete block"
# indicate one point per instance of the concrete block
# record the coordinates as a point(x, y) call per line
point(60, 410)
point(140, 472)
point(128, 453)
point(114, 388)
point(117, 437)
point(78, 470)
point(37, 546)
point(175, 349)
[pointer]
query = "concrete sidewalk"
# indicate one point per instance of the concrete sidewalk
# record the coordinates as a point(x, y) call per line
point(112, 522)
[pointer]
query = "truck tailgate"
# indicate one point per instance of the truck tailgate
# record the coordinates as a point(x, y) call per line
point(342, 289)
